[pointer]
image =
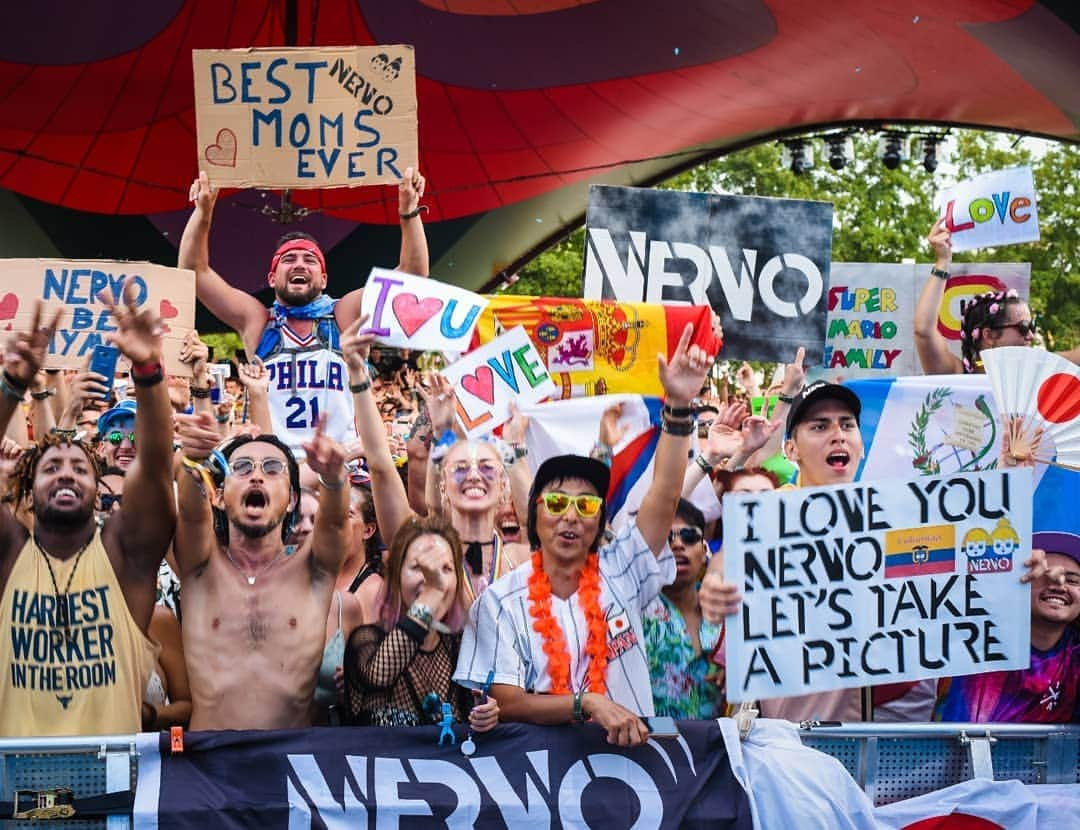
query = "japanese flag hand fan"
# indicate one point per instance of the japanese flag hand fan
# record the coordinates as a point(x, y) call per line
point(1044, 389)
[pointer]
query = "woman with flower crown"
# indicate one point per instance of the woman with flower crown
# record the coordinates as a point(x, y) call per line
point(563, 632)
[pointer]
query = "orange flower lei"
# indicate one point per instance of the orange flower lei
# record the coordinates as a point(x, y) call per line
point(545, 624)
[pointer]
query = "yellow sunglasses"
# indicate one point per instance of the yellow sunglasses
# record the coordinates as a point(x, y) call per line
point(558, 503)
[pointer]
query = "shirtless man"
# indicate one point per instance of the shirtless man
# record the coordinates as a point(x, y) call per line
point(84, 595)
point(254, 614)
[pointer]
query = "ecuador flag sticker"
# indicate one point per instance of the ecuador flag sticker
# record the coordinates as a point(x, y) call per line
point(919, 551)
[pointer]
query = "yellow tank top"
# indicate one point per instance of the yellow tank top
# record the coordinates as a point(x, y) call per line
point(83, 678)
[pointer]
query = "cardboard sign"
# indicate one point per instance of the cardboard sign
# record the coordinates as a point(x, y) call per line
point(761, 264)
point(76, 284)
point(997, 208)
point(486, 381)
point(862, 584)
point(413, 312)
point(872, 313)
point(337, 116)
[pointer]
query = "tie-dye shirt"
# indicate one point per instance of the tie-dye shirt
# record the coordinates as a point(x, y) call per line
point(682, 684)
point(1047, 692)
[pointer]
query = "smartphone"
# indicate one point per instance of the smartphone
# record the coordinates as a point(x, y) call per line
point(103, 361)
point(661, 726)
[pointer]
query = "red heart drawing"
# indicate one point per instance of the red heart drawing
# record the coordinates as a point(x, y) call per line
point(480, 383)
point(167, 310)
point(223, 153)
point(412, 312)
point(8, 306)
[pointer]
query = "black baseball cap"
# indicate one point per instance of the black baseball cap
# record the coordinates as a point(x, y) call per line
point(562, 467)
point(820, 391)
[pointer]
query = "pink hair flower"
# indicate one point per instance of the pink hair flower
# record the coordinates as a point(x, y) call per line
point(975, 334)
point(967, 364)
point(1012, 294)
point(994, 308)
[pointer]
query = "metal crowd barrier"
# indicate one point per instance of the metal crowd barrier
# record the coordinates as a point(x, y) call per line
point(890, 762)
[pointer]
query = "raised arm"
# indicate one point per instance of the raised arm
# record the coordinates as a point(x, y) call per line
point(237, 309)
point(387, 491)
point(414, 247)
point(933, 350)
point(682, 379)
point(256, 382)
point(330, 536)
point(143, 528)
point(195, 540)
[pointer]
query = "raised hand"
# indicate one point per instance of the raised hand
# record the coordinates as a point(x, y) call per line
point(203, 194)
point(438, 395)
point(26, 350)
point(514, 430)
point(198, 434)
point(355, 346)
point(85, 386)
point(325, 456)
point(684, 375)
point(746, 377)
point(254, 377)
point(940, 240)
point(1036, 566)
point(138, 331)
point(718, 598)
point(195, 353)
point(756, 432)
point(410, 190)
point(611, 428)
point(794, 375)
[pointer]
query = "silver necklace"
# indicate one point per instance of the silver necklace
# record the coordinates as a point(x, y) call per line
point(251, 579)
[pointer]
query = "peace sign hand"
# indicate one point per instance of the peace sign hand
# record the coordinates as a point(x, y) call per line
point(138, 331)
point(325, 456)
point(25, 352)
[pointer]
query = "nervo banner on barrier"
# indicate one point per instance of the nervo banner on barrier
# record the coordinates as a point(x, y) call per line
point(520, 776)
point(761, 264)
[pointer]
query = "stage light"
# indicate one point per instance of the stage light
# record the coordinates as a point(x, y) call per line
point(798, 156)
point(893, 149)
point(929, 153)
point(840, 150)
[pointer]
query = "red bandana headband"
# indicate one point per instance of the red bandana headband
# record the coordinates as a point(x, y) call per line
point(297, 245)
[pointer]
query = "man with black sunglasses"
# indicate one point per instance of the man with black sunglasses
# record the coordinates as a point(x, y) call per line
point(678, 639)
point(563, 632)
point(77, 599)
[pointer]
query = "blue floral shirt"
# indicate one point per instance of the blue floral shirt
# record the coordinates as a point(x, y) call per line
point(682, 682)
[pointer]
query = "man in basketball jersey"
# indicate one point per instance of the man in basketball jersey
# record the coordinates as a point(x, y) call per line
point(76, 601)
point(297, 338)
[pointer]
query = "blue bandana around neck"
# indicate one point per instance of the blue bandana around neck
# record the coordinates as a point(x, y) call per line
point(321, 306)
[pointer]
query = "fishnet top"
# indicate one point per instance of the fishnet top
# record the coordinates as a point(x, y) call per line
point(388, 676)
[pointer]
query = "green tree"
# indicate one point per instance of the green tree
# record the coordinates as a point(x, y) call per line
point(882, 215)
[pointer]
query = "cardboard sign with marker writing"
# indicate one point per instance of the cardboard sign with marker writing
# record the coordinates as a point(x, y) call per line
point(487, 380)
point(413, 312)
point(339, 116)
point(86, 322)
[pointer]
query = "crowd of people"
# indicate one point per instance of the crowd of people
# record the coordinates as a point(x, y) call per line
point(318, 543)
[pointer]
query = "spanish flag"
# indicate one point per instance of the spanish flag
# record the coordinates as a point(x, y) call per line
point(598, 347)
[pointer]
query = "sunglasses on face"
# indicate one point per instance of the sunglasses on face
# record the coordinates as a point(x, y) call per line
point(116, 438)
point(557, 503)
point(109, 500)
point(1024, 327)
point(243, 467)
point(488, 470)
point(689, 535)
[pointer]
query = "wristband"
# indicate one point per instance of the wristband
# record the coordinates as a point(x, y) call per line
point(520, 451)
point(420, 613)
point(412, 214)
point(680, 429)
point(147, 374)
point(704, 464)
point(331, 485)
point(61, 432)
point(223, 419)
point(45, 394)
point(788, 399)
point(200, 391)
point(362, 386)
point(11, 387)
point(938, 272)
point(579, 710)
point(680, 412)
